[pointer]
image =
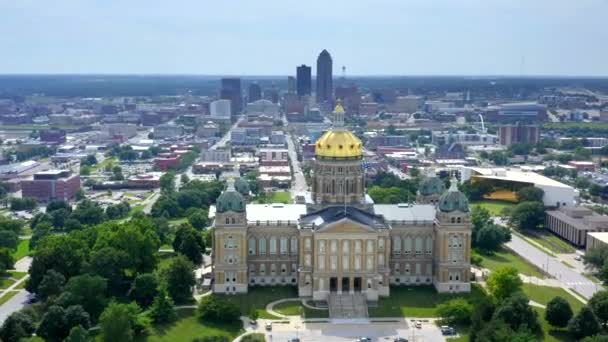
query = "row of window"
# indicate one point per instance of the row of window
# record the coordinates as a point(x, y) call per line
point(263, 245)
point(417, 242)
point(345, 262)
point(346, 246)
point(417, 269)
point(261, 270)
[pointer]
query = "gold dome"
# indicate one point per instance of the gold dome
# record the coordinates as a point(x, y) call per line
point(338, 144)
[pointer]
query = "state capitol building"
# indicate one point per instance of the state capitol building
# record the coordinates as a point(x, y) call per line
point(342, 243)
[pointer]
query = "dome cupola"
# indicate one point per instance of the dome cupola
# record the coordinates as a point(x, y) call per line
point(230, 200)
point(453, 200)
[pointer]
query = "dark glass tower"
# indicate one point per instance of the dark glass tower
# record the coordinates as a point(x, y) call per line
point(324, 77)
point(304, 76)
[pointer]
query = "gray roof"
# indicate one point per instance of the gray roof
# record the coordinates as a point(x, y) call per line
point(407, 213)
point(332, 214)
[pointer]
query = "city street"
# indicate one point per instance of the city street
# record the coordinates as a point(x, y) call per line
point(568, 277)
point(298, 184)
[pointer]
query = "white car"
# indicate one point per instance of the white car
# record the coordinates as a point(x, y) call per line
point(418, 325)
point(268, 326)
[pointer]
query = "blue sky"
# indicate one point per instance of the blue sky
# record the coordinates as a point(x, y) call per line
point(257, 37)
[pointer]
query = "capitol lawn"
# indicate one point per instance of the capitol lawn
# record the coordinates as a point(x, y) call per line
point(506, 257)
point(295, 308)
point(494, 207)
point(188, 326)
point(418, 301)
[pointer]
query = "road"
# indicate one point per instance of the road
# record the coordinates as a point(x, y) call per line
point(298, 185)
point(385, 331)
point(568, 277)
point(22, 297)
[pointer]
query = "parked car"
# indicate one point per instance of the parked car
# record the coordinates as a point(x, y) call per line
point(400, 339)
point(268, 326)
point(364, 339)
point(447, 330)
point(418, 324)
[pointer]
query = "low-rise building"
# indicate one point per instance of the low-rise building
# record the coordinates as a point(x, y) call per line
point(217, 156)
point(573, 223)
point(51, 185)
point(274, 156)
point(582, 165)
point(168, 131)
point(597, 240)
point(53, 136)
point(149, 180)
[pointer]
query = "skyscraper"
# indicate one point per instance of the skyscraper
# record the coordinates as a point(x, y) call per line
point(304, 80)
point(255, 92)
point(231, 90)
point(324, 77)
point(291, 84)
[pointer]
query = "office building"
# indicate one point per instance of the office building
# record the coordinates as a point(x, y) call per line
point(255, 92)
point(231, 90)
point(220, 109)
point(53, 136)
point(168, 131)
point(341, 247)
point(573, 223)
point(291, 84)
point(351, 98)
point(518, 133)
point(304, 80)
point(51, 185)
point(324, 89)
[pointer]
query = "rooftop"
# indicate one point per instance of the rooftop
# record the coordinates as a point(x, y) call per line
point(601, 236)
point(517, 176)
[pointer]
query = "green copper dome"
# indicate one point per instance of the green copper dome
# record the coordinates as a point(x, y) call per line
point(431, 186)
point(453, 200)
point(230, 200)
point(242, 186)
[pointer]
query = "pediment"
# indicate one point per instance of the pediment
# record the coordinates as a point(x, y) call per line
point(347, 226)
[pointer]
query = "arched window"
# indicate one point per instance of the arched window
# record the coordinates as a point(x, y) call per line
point(407, 245)
point(272, 249)
point(233, 221)
point(458, 220)
point(453, 220)
point(294, 245)
point(418, 245)
point(227, 220)
point(397, 245)
point(262, 243)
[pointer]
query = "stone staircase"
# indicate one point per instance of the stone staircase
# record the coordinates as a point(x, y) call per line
point(348, 308)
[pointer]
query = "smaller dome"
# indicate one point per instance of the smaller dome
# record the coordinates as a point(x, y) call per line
point(230, 200)
point(453, 200)
point(242, 186)
point(431, 186)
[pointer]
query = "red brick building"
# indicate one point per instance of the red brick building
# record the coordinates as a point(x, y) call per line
point(51, 185)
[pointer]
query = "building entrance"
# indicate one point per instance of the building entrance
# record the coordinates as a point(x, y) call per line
point(333, 284)
point(357, 284)
point(345, 285)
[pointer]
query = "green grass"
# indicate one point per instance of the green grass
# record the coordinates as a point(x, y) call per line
point(418, 301)
point(177, 222)
point(188, 326)
point(5, 283)
point(254, 337)
point(23, 249)
point(295, 308)
point(549, 241)
point(21, 285)
point(275, 197)
point(506, 257)
point(494, 207)
point(8, 295)
point(544, 294)
point(259, 296)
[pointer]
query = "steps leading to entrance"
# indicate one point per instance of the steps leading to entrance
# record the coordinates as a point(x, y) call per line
point(348, 308)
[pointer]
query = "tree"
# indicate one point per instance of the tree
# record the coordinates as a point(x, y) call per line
point(596, 338)
point(490, 237)
point(117, 174)
point(136, 237)
point(89, 160)
point(162, 309)
point(144, 289)
point(527, 215)
point(42, 230)
point(16, 326)
point(51, 284)
point(167, 182)
point(517, 313)
point(63, 253)
point(456, 311)
point(77, 334)
point(184, 179)
point(26, 203)
point(52, 326)
point(118, 322)
point(503, 282)
point(6, 259)
point(178, 276)
point(599, 304)
point(596, 256)
point(88, 212)
point(89, 291)
point(530, 194)
point(217, 310)
point(199, 219)
point(8, 239)
point(112, 264)
point(584, 324)
point(76, 316)
point(558, 312)
point(189, 243)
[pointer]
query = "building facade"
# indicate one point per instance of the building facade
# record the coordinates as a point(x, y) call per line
point(518, 133)
point(324, 89)
point(342, 243)
point(303, 80)
point(51, 185)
